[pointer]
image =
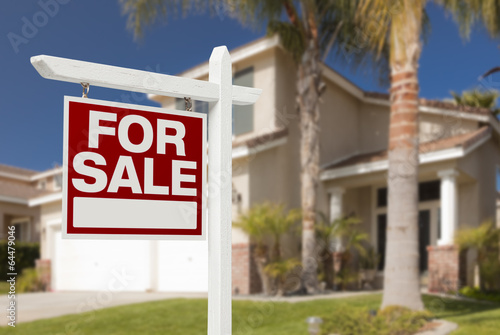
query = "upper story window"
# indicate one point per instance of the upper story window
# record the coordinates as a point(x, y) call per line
point(42, 184)
point(57, 181)
point(243, 115)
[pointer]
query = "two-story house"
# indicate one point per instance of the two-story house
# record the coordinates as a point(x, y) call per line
point(459, 157)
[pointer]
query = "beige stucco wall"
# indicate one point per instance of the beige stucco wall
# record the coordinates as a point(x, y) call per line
point(480, 165)
point(269, 179)
point(240, 185)
point(373, 126)
point(339, 124)
point(435, 127)
point(51, 216)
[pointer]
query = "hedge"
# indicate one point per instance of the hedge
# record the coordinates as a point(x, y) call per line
point(25, 253)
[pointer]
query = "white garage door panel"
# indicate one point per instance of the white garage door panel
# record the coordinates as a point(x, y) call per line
point(90, 265)
point(183, 266)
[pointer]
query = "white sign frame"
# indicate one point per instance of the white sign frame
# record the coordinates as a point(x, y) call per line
point(65, 234)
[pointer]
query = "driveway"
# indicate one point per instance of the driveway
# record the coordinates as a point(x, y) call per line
point(35, 306)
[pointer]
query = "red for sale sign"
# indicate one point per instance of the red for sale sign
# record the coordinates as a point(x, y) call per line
point(133, 172)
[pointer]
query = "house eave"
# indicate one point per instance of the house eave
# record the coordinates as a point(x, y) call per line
point(13, 200)
point(45, 199)
point(243, 151)
point(383, 165)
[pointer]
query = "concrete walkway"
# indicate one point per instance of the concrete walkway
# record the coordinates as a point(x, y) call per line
point(35, 306)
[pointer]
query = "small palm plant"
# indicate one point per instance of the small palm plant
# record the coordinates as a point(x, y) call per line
point(280, 270)
point(485, 239)
point(253, 223)
point(266, 224)
point(349, 239)
point(324, 238)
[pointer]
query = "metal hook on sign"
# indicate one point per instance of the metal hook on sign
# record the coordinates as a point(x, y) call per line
point(86, 89)
point(188, 104)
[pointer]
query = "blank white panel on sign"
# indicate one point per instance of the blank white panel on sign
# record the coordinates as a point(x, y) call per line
point(133, 213)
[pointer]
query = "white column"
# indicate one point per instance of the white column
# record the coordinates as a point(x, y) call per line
point(449, 207)
point(336, 205)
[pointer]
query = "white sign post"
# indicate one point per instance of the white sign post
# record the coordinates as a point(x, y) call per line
point(221, 95)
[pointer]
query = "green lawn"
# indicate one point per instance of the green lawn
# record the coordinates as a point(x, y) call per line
point(187, 316)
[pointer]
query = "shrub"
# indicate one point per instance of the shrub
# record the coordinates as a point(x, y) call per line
point(393, 320)
point(475, 293)
point(29, 281)
point(485, 240)
point(26, 254)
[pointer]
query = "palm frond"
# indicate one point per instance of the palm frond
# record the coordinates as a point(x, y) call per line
point(484, 236)
point(143, 13)
point(291, 37)
point(468, 13)
point(478, 98)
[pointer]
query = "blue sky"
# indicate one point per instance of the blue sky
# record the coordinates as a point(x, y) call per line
point(31, 107)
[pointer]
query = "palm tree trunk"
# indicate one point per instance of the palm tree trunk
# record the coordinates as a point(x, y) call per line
point(308, 92)
point(261, 262)
point(401, 273)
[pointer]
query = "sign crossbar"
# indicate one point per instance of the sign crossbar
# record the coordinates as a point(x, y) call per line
point(75, 71)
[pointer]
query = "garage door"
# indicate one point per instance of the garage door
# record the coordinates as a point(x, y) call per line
point(183, 266)
point(95, 265)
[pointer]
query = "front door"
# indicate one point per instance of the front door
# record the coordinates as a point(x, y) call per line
point(424, 237)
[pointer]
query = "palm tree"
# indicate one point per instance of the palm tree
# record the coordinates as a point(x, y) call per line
point(280, 222)
point(309, 30)
point(478, 98)
point(400, 23)
point(254, 223)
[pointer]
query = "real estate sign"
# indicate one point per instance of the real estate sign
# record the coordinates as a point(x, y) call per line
point(133, 171)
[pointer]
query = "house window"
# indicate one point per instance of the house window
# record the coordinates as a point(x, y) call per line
point(439, 224)
point(429, 191)
point(382, 197)
point(202, 107)
point(243, 115)
point(381, 239)
point(22, 229)
point(42, 185)
point(180, 104)
point(57, 181)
